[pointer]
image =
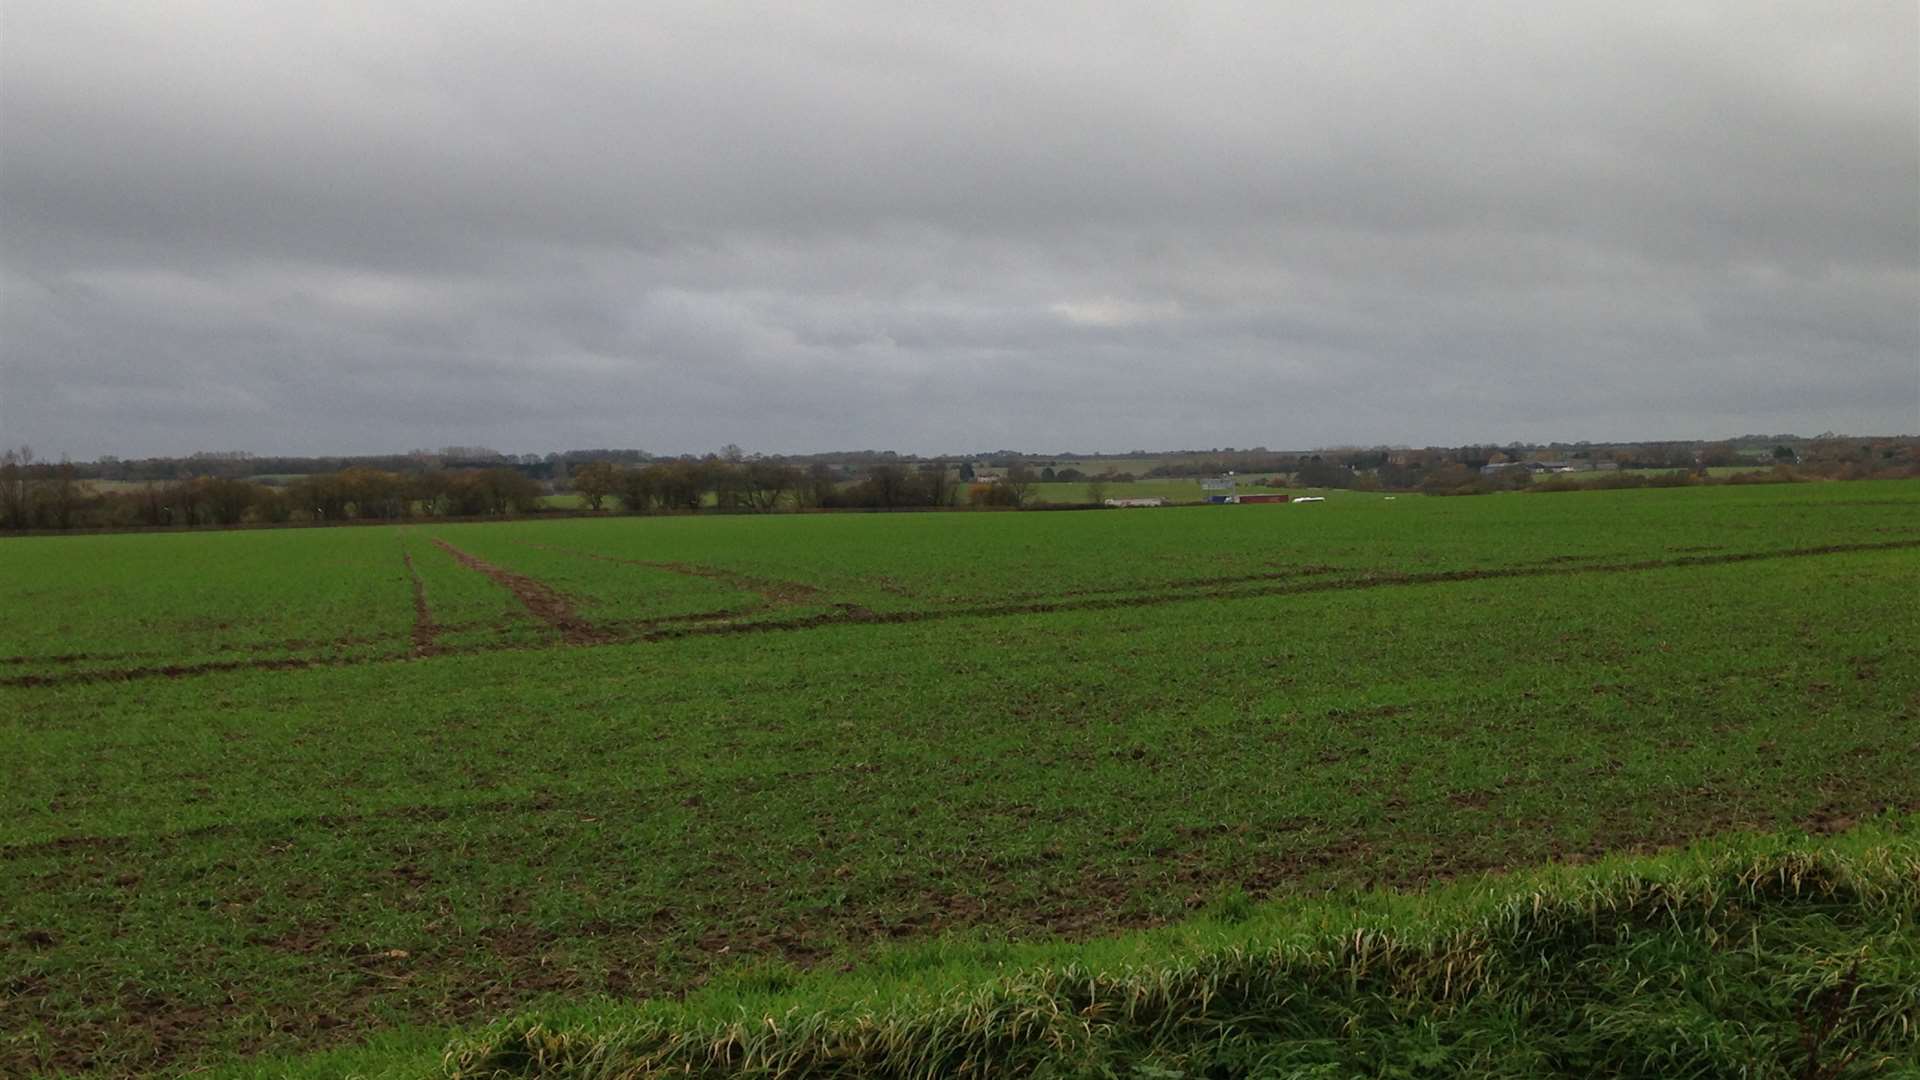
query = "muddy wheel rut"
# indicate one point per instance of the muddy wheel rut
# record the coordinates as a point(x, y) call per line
point(540, 599)
point(424, 630)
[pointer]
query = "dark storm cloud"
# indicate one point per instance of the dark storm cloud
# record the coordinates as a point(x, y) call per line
point(379, 226)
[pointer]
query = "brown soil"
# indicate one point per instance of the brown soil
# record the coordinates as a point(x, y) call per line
point(546, 603)
point(288, 645)
point(166, 671)
point(424, 631)
point(63, 658)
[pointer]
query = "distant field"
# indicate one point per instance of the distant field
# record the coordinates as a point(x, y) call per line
point(1713, 470)
point(116, 485)
point(270, 791)
point(1172, 490)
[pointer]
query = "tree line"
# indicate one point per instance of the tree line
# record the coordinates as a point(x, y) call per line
point(769, 484)
point(37, 495)
point(41, 495)
point(474, 482)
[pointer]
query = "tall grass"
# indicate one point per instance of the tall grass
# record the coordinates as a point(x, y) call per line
point(1748, 957)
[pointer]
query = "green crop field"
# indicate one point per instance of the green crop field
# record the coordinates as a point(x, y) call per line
point(281, 792)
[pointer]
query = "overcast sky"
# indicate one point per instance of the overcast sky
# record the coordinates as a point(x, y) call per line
point(372, 226)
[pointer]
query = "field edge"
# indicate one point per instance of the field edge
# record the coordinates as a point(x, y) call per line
point(1460, 979)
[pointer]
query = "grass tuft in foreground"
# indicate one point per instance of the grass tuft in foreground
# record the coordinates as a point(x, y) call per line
point(1752, 957)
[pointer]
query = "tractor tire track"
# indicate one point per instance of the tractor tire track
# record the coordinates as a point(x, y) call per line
point(286, 646)
point(580, 633)
point(174, 671)
point(424, 629)
point(1292, 573)
point(1294, 588)
point(70, 658)
point(542, 600)
point(275, 663)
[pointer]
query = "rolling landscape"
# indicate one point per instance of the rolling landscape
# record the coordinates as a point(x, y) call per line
point(1088, 540)
point(279, 791)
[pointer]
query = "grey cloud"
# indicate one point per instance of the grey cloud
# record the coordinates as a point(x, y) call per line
point(375, 226)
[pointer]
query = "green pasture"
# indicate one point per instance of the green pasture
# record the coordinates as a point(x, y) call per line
point(789, 741)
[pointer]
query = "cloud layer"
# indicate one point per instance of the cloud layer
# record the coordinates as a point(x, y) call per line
point(362, 227)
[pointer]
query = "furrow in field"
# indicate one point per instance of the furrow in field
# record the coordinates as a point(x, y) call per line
point(1214, 581)
point(172, 671)
point(68, 658)
point(424, 630)
point(280, 647)
point(544, 602)
point(551, 607)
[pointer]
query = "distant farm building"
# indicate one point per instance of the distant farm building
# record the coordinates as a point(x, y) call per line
point(1264, 498)
point(1127, 503)
point(1220, 489)
point(1495, 468)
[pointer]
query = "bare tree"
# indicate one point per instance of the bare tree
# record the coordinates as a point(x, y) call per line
point(684, 484)
point(889, 485)
point(766, 482)
point(639, 489)
point(938, 483)
point(1020, 480)
point(227, 500)
point(815, 488)
point(15, 482)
